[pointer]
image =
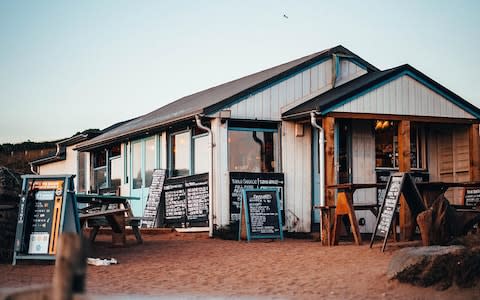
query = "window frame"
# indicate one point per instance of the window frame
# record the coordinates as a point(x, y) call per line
point(259, 127)
point(421, 149)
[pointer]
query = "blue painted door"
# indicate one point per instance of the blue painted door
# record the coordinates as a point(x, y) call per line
point(143, 160)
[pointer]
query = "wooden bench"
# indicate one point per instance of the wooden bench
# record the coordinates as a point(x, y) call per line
point(98, 222)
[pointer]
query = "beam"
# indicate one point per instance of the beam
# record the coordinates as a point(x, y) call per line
point(407, 224)
point(474, 144)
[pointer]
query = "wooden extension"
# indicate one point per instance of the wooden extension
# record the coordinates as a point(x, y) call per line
point(345, 207)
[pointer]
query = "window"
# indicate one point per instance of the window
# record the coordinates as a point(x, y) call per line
point(99, 169)
point(107, 168)
point(181, 153)
point(201, 154)
point(115, 167)
point(189, 152)
point(386, 145)
point(82, 169)
point(253, 149)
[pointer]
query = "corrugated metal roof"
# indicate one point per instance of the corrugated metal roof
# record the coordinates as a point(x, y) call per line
point(325, 101)
point(211, 100)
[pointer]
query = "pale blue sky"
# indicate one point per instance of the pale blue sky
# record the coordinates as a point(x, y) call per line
point(66, 66)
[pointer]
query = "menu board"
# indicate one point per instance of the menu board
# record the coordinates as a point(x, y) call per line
point(186, 200)
point(150, 213)
point(243, 180)
point(175, 200)
point(472, 197)
point(47, 208)
point(389, 205)
point(197, 197)
point(262, 213)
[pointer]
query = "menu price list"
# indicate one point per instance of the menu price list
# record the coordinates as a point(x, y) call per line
point(154, 195)
point(389, 206)
point(263, 212)
point(246, 180)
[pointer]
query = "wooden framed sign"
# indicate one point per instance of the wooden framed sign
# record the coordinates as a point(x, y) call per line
point(261, 214)
point(47, 208)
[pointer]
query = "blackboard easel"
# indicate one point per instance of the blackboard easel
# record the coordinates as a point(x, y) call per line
point(398, 183)
point(260, 214)
point(47, 208)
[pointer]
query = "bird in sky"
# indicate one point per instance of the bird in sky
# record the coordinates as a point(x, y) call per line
point(285, 16)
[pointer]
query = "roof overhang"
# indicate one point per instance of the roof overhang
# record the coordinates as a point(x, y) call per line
point(327, 102)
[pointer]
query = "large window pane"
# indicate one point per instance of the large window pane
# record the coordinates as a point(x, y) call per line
point(116, 167)
point(82, 168)
point(100, 178)
point(181, 154)
point(201, 154)
point(149, 161)
point(137, 165)
point(252, 150)
point(385, 144)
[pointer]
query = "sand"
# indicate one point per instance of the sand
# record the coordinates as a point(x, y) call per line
point(182, 265)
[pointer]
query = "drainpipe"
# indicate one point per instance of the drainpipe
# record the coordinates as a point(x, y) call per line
point(210, 174)
point(321, 148)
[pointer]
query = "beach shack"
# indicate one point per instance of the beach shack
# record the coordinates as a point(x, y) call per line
point(327, 118)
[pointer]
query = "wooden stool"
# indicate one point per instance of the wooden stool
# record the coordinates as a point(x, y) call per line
point(345, 207)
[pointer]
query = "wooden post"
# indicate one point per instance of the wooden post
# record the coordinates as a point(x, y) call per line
point(328, 124)
point(70, 267)
point(474, 144)
point(407, 224)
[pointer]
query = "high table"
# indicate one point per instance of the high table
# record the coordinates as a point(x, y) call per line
point(115, 210)
point(345, 206)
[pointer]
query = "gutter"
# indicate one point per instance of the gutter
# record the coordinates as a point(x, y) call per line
point(210, 174)
point(321, 150)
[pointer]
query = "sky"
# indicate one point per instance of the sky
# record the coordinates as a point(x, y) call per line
point(67, 66)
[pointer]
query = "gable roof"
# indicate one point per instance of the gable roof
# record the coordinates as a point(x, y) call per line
point(213, 99)
point(333, 98)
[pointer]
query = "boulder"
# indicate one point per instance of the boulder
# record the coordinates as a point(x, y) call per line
point(436, 265)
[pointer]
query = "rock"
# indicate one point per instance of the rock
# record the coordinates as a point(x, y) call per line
point(427, 266)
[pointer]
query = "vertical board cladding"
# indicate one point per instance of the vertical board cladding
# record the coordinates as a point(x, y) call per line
point(296, 161)
point(348, 71)
point(449, 158)
point(404, 96)
point(363, 169)
point(221, 197)
point(267, 104)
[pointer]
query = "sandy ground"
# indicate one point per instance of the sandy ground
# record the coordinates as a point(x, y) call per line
point(179, 265)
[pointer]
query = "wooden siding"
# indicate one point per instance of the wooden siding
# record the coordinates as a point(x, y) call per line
point(363, 169)
point(268, 104)
point(449, 158)
point(348, 71)
point(404, 96)
point(297, 167)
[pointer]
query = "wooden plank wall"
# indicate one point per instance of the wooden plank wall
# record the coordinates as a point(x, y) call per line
point(449, 157)
point(267, 104)
point(404, 96)
point(363, 169)
point(297, 167)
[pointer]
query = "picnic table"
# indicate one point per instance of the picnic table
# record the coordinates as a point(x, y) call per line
point(109, 210)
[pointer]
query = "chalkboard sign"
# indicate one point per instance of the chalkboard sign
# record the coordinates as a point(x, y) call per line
point(262, 214)
point(398, 183)
point(242, 180)
point(150, 213)
point(472, 197)
point(186, 200)
point(197, 198)
point(175, 200)
point(47, 208)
